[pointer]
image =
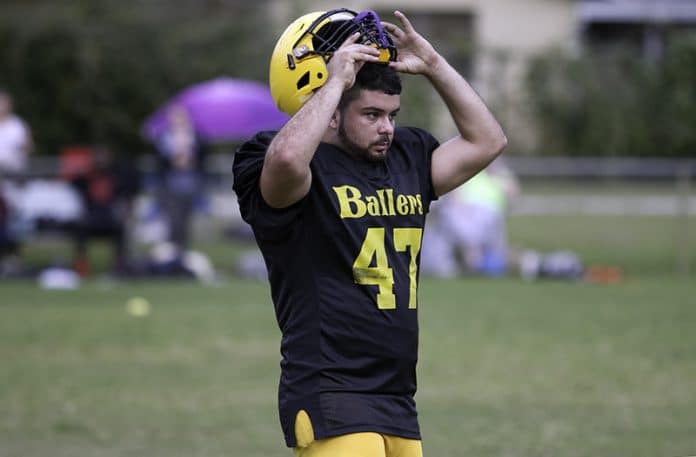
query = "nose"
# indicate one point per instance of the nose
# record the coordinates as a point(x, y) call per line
point(386, 125)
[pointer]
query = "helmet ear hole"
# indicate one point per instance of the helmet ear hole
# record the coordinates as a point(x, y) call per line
point(303, 81)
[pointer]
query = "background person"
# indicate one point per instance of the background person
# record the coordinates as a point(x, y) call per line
point(469, 231)
point(15, 146)
point(15, 138)
point(181, 154)
point(107, 189)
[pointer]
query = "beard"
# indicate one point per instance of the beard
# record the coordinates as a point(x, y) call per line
point(358, 151)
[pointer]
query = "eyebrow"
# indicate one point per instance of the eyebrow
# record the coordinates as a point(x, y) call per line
point(380, 110)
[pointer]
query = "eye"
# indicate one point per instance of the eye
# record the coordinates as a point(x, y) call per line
point(372, 116)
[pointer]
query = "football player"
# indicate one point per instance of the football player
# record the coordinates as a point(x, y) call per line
point(337, 199)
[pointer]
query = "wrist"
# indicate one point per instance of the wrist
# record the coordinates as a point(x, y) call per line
point(335, 83)
point(325, 97)
point(435, 65)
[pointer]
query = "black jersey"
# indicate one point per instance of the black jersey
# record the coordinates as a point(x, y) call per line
point(343, 268)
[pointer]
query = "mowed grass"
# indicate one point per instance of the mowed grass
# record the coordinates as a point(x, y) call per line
point(507, 368)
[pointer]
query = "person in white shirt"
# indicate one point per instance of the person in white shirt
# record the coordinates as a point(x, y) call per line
point(15, 138)
point(15, 145)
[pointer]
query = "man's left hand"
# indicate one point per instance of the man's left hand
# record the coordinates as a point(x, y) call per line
point(415, 54)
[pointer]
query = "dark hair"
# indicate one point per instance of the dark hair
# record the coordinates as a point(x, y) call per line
point(372, 76)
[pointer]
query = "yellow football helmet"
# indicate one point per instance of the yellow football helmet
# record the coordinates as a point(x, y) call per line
point(298, 63)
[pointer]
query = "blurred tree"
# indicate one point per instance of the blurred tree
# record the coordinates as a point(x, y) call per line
point(90, 72)
point(616, 103)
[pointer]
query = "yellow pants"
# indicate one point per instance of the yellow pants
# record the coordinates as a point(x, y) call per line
point(367, 444)
point(362, 445)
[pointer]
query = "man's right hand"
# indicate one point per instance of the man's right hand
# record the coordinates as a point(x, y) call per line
point(349, 59)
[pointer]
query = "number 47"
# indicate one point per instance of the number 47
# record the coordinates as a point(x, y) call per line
point(382, 275)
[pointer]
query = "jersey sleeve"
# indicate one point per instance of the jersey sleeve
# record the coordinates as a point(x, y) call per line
point(267, 222)
point(422, 144)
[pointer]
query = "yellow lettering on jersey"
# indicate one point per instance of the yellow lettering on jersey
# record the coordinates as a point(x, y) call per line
point(347, 203)
point(413, 205)
point(382, 202)
point(380, 275)
point(353, 205)
point(390, 201)
point(372, 205)
point(410, 239)
point(371, 266)
point(402, 205)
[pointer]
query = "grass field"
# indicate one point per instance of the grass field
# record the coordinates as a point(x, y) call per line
point(507, 367)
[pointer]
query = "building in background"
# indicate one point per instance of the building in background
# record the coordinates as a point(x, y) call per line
point(646, 25)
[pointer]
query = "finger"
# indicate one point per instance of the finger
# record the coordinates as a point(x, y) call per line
point(408, 27)
point(368, 56)
point(356, 55)
point(399, 66)
point(394, 30)
point(350, 40)
point(362, 49)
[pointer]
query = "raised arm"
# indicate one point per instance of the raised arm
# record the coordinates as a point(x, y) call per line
point(286, 176)
point(480, 139)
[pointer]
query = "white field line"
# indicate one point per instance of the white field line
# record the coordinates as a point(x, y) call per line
point(604, 205)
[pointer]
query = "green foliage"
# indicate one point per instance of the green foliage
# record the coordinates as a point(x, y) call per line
point(416, 102)
point(91, 73)
point(616, 103)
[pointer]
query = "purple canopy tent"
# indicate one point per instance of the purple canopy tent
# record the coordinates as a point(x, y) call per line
point(222, 109)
